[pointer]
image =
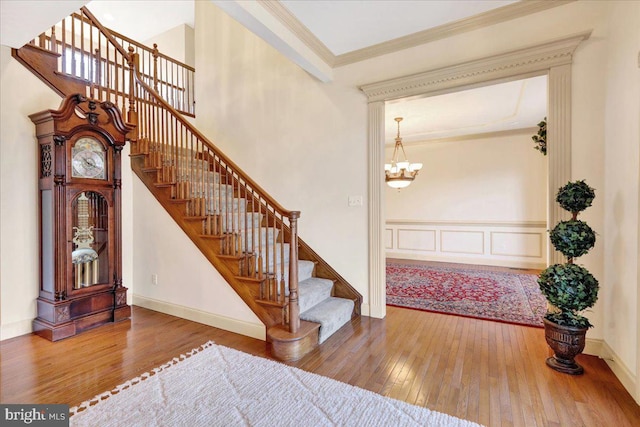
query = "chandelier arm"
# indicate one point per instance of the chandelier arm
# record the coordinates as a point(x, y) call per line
point(403, 153)
point(394, 157)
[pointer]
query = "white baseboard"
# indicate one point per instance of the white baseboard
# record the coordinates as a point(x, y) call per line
point(365, 309)
point(16, 329)
point(253, 330)
point(593, 347)
point(620, 370)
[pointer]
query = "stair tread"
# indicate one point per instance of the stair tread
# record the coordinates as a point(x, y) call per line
point(313, 291)
point(331, 313)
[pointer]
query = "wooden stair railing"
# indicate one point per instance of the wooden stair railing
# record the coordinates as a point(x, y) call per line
point(87, 51)
point(243, 231)
point(256, 234)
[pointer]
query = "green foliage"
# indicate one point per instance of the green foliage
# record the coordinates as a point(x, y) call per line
point(566, 318)
point(575, 196)
point(570, 287)
point(573, 238)
point(541, 137)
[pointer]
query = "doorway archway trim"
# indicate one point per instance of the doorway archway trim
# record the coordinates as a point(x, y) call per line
point(552, 58)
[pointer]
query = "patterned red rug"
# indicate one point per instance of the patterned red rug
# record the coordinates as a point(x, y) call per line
point(465, 291)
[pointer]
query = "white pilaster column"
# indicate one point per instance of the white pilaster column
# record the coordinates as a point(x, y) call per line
point(377, 273)
point(558, 145)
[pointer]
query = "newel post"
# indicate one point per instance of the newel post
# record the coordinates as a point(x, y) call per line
point(294, 307)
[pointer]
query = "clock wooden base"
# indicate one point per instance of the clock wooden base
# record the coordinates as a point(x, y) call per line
point(63, 319)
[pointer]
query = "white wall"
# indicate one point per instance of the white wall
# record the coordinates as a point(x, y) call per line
point(302, 140)
point(480, 200)
point(492, 178)
point(176, 43)
point(187, 284)
point(19, 253)
point(619, 289)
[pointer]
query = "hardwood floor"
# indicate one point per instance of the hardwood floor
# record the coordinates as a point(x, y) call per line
point(491, 373)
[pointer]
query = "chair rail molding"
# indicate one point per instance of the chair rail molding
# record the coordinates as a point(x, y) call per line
point(553, 58)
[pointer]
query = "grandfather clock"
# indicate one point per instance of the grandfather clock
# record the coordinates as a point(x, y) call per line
point(79, 154)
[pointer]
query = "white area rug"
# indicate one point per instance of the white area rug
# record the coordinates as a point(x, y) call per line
point(218, 386)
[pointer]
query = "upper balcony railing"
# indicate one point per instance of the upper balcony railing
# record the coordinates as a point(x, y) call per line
point(87, 53)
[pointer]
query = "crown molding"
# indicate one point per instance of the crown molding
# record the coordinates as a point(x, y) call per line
point(460, 138)
point(286, 18)
point(491, 17)
point(517, 62)
point(495, 16)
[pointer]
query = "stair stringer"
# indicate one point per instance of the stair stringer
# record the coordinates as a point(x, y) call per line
point(269, 316)
point(43, 63)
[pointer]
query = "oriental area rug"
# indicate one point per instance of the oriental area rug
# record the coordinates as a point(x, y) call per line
point(218, 386)
point(466, 291)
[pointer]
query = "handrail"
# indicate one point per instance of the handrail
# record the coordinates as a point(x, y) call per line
point(178, 116)
point(105, 31)
point(222, 196)
point(159, 54)
point(159, 99)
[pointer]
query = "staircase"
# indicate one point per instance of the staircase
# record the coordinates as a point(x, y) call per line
point(245, 234)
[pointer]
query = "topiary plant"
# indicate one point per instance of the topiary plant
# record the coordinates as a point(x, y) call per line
point(570, 287)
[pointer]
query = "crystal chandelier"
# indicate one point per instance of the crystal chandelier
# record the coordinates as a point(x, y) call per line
point(400, 173)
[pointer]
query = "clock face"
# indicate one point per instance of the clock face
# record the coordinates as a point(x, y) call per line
point(88, 159)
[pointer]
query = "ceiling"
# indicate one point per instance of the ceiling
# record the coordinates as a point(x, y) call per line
point(509, 106)
point(345, 26)
point(342, 27)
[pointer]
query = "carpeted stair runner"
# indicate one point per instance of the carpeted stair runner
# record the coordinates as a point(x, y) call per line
point(317, 304)
point(314, 293)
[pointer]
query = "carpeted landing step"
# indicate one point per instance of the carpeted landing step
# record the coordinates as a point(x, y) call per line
point(317, 304)
point(332, 314)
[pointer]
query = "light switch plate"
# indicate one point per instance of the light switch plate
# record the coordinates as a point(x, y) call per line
point(355, 200)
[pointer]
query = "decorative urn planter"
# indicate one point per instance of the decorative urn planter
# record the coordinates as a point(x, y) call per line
point(569, 287)
point(566, 343)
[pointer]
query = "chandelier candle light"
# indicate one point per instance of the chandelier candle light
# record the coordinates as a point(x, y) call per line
point(399, 174)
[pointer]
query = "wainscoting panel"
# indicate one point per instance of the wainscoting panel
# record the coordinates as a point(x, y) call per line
point(511, 244)
point(417, 240)
point(388, 238)
point(462, 242)
point(516, 244)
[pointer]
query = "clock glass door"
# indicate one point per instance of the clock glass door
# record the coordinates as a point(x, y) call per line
point(90, 253)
